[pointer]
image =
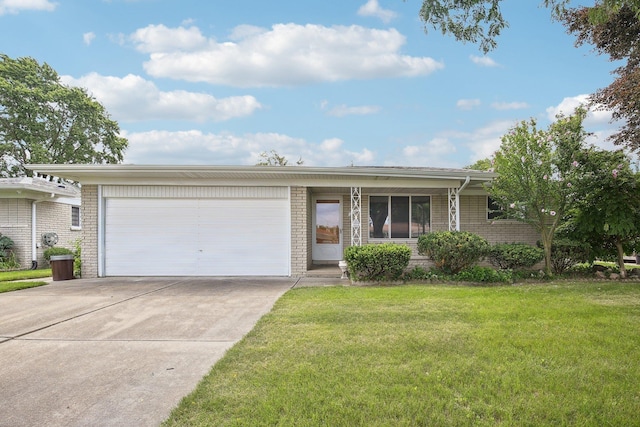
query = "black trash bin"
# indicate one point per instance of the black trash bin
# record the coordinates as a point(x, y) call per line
point(62, 267)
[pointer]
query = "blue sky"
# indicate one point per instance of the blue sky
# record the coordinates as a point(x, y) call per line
point(334, 83)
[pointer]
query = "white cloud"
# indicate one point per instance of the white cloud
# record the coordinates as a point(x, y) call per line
point(17, 6)
point(373, 8)
point(158, 38)
point(432, 153)
point(510, 105)
point(483, 61)
point(468, 104)
point(88, 38)
point(193, 147)
point(285, 55)
point(485, 141)
point(116, 94)
point(344, 110)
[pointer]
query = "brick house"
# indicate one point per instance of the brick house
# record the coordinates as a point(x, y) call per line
point(33, 207)
point(145, 220)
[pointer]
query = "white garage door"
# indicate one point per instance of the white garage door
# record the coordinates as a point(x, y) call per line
point(196, 237)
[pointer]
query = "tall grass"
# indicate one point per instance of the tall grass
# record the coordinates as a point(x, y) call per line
point(553, 354)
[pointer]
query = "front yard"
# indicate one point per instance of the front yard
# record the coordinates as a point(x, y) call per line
point(560, 353)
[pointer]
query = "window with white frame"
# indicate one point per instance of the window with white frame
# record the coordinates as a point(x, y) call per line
point(75, 216)
point(399, 217)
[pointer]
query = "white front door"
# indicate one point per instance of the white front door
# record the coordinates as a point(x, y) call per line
point(327, 230)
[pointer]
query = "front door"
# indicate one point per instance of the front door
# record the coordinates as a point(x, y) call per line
point(327, 230)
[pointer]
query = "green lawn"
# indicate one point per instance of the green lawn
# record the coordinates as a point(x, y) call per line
point(7, 279)
point(532, 355)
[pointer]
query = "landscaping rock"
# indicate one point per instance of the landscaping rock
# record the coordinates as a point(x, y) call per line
point(601, 275)
point(614, 276)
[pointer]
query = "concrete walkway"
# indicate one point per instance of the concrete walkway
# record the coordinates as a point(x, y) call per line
point(120, 351)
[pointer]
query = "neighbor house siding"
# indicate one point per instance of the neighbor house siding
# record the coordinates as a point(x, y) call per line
point(15, 223)
point(51, 217)
point(89, 245)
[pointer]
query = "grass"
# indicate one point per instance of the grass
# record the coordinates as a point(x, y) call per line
point(8, 279)
point(564, 353)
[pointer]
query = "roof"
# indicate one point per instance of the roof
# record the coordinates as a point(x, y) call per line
point(36, 188)
point(365, 176)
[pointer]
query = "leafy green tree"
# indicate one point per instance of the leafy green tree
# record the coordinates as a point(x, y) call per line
point(480, 165)
point(44, 121)
point(606, 211)
point(481, 21)
point(532, 165)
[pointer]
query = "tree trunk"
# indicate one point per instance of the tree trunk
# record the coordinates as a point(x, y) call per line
point(547, 241)
point(623, 270)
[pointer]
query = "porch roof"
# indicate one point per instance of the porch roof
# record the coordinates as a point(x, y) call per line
point(364, 176)
point(36, 189)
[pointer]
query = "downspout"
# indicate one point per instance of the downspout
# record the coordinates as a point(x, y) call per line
point(466, 182)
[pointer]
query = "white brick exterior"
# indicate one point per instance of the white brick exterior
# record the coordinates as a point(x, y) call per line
point(51, 217)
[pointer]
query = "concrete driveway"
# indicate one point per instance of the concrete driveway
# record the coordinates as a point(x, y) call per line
point(119, 352)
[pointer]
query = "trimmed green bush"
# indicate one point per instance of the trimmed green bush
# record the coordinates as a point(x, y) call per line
point(565, 253)
point(56, 251)
point(452, 251)
point(373, 262)
point(513, 256)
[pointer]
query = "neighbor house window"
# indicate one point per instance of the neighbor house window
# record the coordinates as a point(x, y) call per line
point(494, 211)
point(75, 216)
point(399, 217)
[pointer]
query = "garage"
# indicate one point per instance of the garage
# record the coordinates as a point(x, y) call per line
point(196, 231)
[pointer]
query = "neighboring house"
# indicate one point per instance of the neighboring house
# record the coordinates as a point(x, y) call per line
point(31, 208)
point(143, 220)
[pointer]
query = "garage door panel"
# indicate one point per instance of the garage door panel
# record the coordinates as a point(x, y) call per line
point(196, 237)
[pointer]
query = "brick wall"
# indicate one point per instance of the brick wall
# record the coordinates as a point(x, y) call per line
point(54, 217)
point(300, 240)
point(15, 223)
point(89, 220)
point(51, 217)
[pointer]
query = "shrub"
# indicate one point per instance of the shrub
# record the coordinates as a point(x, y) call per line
point(452, 251)
point(385, 261)
point(483, 275)
point(6, 244)
point(56, 251)
point(513, 256)
point(565, 253)
point(9, 262)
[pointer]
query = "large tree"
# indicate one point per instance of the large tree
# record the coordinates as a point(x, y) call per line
point(532, 166)
point(612, 26)
point(606, 210)
point(44, 121)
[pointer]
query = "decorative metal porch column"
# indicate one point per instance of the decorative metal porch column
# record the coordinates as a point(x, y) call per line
point(356, 216)
point(454, 209)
